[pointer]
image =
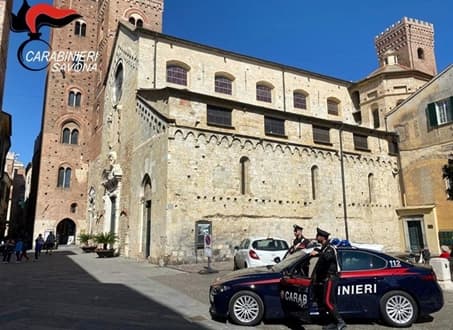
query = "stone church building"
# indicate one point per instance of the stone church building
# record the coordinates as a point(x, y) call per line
point(169, 138)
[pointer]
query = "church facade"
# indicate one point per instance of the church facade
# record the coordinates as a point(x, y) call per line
point(197, 135)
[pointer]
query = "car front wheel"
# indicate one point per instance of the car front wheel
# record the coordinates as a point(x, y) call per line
point(246, 308)
point(398, 309)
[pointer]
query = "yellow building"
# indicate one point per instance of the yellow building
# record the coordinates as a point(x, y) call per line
point(424, 123)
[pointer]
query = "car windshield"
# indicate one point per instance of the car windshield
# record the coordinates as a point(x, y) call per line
point(289, 261)
point(270, 244)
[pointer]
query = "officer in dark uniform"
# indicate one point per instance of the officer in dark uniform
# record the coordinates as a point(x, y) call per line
point(325, 276)
point(299, 241)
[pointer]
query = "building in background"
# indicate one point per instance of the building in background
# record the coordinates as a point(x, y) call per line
point(5, 118)
point(71, 124)
point(424, 123)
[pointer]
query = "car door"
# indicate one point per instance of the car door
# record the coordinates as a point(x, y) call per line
point(296, 289)
point(357, 287)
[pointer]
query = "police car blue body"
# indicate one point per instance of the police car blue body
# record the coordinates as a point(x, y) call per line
point(371, 285)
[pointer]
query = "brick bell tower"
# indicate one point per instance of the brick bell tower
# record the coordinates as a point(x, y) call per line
point(70, 129)
point(412, 42)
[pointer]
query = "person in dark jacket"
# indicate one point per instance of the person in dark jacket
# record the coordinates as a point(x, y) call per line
point(299, 242)
point(326, 278)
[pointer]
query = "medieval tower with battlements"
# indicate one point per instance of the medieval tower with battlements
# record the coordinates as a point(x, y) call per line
point(411, 41)
point(71, 123)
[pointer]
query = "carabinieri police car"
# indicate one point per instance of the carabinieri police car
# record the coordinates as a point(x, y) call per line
point(371, 285)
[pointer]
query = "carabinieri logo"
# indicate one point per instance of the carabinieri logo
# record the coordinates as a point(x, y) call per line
point(31, 19)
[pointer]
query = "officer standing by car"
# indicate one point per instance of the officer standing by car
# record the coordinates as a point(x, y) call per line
point(325, 276)
point(299, 242)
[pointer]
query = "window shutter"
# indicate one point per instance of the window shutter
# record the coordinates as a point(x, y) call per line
point(450, 110)
point(431, 116)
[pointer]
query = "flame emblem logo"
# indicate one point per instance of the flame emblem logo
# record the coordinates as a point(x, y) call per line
point(31, 19)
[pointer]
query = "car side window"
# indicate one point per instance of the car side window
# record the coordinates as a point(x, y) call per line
point(360, 260)
point(305, 267)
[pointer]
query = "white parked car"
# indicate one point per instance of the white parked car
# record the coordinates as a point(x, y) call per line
point(259, 251)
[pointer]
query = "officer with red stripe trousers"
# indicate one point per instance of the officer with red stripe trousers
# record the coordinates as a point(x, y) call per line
point(325, 275)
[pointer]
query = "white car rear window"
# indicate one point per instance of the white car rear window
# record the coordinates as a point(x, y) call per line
point(270, 245)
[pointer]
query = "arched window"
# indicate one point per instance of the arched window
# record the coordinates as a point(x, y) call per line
point(80, 29)
point(118, 84)
point(136, 19)
point(245, 168)
point(64, 177)
point(176, 74)
point(74, 98)
point(66, 135)
point(420, 54)
point(263, 93)
point(333, 106)
point(300, 100)
point(314, 182)
point(74, 137)
point(371, 192)
point(70, 133)
point(223, 84)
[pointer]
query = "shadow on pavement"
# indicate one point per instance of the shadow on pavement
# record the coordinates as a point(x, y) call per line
point(55, 293)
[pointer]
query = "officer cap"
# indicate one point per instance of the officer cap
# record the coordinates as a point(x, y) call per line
point(323, 233)
point(297, 227)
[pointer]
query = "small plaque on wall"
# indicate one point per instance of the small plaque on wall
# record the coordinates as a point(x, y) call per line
point(430, 226)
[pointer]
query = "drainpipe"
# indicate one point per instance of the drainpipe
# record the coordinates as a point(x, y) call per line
point(284, 90)
point(155, 61)
point(343, 185)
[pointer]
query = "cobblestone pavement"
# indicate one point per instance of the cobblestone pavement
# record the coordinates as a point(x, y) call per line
point(72, 290)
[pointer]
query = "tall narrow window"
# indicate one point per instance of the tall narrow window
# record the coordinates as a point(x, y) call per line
point(223, 85)
point(66, 135)
point(74, 98)
point(300, 100)
point(139, 23)
point(132, 20)
point(263, 93)
point(80, 29)
point(314, 182)
point(74, 137)
point(245, 167)
point(376, 122)
point(420, 54)
point(371, 197)
point(64, 177)
point(177, 74)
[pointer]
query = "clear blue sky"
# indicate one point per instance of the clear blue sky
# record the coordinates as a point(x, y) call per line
point(334, 38)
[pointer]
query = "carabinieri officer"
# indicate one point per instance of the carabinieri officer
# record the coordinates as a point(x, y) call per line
point(326, 274)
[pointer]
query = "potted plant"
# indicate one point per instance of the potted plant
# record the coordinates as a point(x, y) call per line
point(85, 240)
point(107, 239)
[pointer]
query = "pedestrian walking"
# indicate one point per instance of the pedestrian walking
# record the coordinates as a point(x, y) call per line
point(23, 253)
point(50, 242)
point(39, 243)
point(18, 249)
point(9, 249)
point(326, 279)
